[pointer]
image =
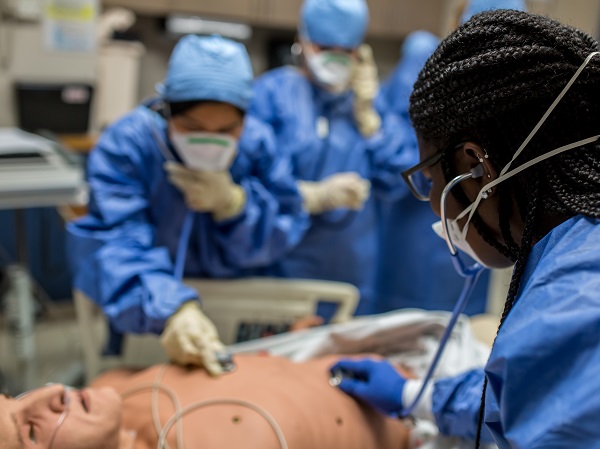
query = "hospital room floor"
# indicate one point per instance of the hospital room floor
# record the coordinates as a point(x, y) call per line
point(58, 349)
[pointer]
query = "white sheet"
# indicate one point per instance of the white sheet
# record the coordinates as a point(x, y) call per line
point(408, 336)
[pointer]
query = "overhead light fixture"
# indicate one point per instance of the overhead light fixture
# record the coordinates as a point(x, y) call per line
point(179, 24)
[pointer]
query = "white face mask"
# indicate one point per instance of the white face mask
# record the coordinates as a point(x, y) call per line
point(205, 151)
point(331, 69)
point(457, 238)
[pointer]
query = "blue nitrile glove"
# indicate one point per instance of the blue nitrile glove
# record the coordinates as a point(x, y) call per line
point(375, 382)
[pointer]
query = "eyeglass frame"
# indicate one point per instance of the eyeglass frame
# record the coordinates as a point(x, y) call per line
point(429, 162)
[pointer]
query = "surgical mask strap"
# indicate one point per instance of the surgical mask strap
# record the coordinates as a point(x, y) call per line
point(305, 44)
point(505, 174)
point(471, 209)
point(162, 146)
point(549, 111)
point(303, 34)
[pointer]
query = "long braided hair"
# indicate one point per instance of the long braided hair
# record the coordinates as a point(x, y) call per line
point(491, 81)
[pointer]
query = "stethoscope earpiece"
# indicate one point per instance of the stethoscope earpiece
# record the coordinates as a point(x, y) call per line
point(478, 171)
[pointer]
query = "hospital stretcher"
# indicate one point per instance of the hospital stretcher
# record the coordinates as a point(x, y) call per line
point(233, 305)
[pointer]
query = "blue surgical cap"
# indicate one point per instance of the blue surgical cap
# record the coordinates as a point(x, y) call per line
point(334, 23)
point(477, 6)
point(209, 68)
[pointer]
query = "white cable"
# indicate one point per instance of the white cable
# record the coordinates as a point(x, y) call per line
point(176, 418)
point(471, 209)
point(154, 387)
point(176, 404)
point(549, 111)
point(192, 407)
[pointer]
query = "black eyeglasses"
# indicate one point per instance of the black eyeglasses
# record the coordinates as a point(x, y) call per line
point(419, 184)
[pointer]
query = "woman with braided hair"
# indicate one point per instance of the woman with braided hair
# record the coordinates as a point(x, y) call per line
point(507, 115)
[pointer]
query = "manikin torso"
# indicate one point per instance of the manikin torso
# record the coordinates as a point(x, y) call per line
point(311, 413)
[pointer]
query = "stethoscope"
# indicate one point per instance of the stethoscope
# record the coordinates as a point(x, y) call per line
point(188, 221)
point(115, 339)
point(224, 358)
point(471, 275)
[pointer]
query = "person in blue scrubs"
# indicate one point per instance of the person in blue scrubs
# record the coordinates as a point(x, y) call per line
point(510, 102)
point(312, 111)
point(414, 269)
point(191, 149)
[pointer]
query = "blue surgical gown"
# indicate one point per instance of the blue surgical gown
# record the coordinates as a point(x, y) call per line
point(122, 252)
point(544, 369)
point(316, 131)
point(415, 268)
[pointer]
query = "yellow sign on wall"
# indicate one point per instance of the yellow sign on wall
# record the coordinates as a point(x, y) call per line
point(70, 25)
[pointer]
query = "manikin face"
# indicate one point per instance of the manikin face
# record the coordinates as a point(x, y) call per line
point(465, 158)
point(92, 419)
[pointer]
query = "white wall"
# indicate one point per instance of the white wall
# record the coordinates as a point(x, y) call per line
point(21, 47)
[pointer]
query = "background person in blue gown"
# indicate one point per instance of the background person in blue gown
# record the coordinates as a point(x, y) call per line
point(415, 270)
point(323, 117)
point(247, 209)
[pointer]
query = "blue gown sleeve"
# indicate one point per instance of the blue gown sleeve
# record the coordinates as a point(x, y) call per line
point(392, 150)
point(399, 149)
point(273, 220)
point(455, 405)
point(112, 249)
point(263, 106)
point(547, 384)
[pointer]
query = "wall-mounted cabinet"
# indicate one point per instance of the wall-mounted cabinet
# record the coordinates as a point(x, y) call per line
point(396, 18)
point(151, 7)
point(389, 18)
point(241, 10)
point(427, 15)
point(283, 13)
point(382, 13)
point(250, 11)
